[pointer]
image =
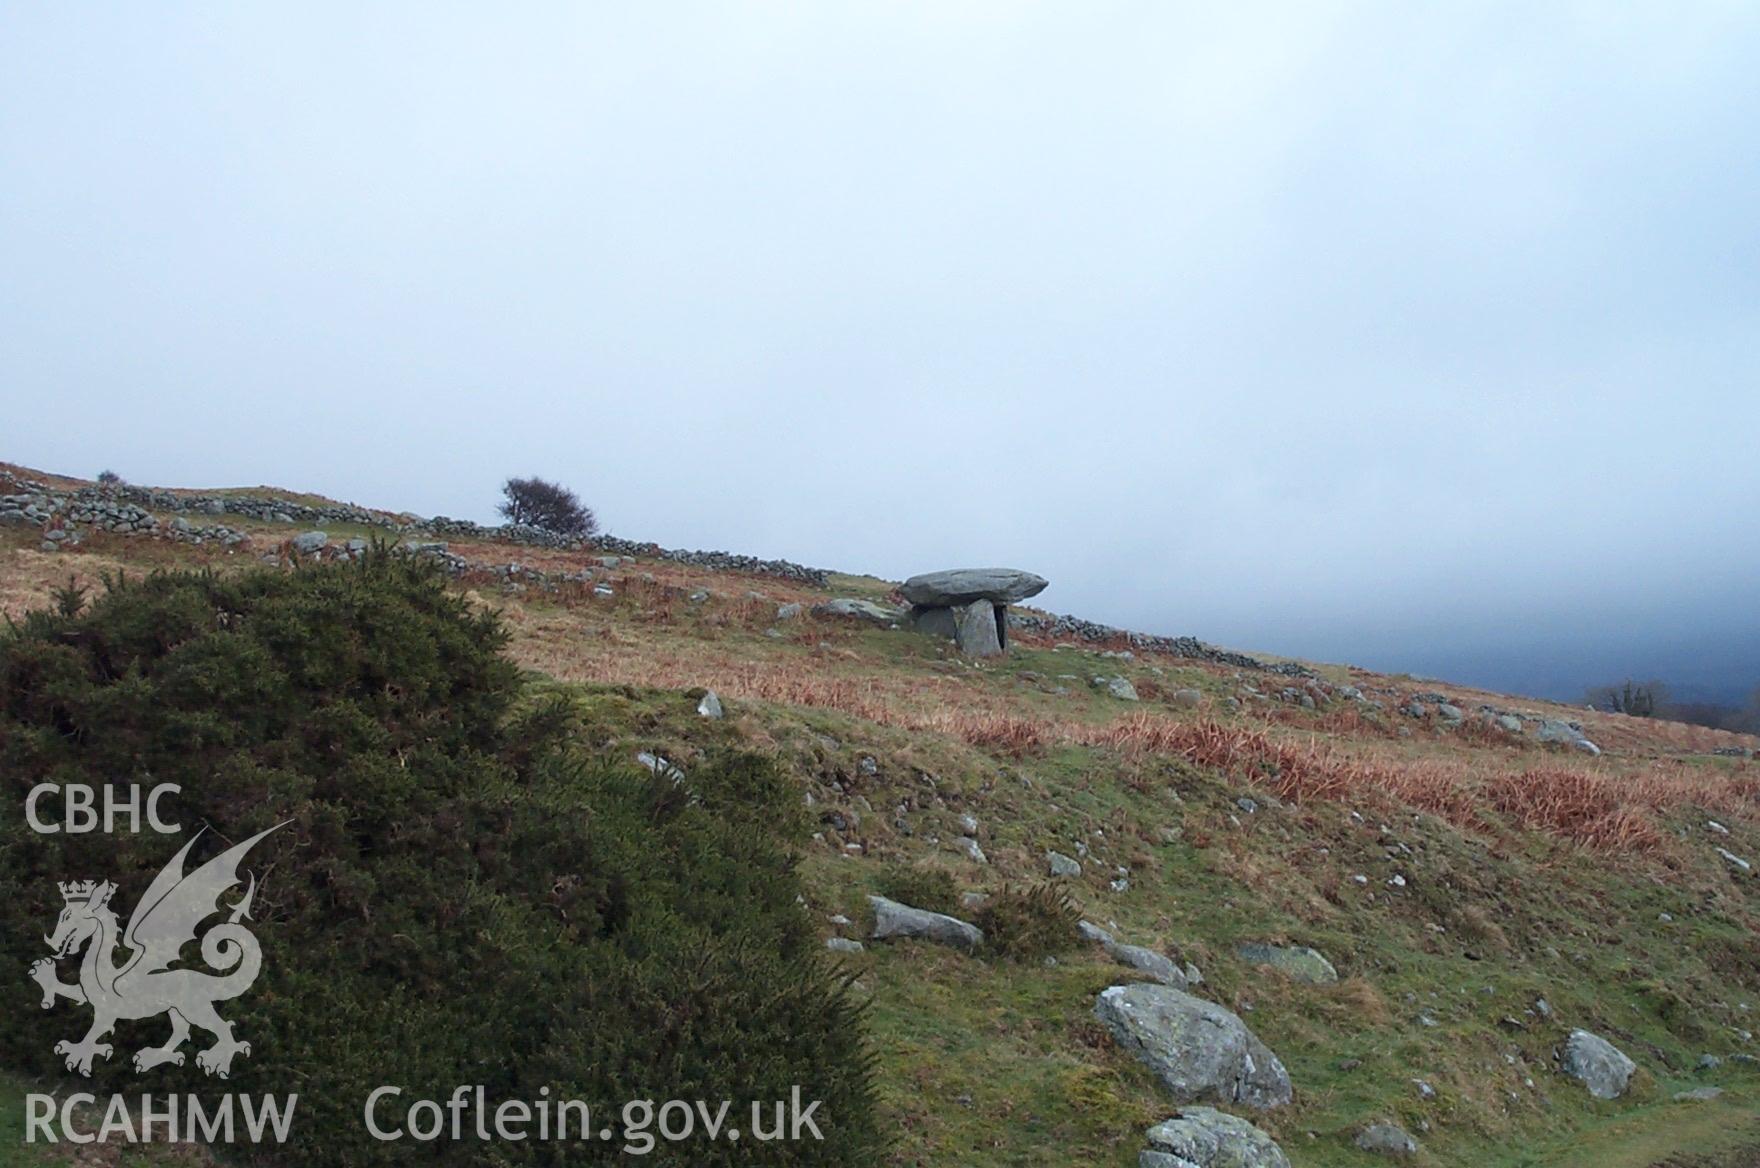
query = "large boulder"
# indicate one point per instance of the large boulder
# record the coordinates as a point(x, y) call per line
point(1597, 1064)
point(1297, 962)
point(892, 919)
point(961, 586)
point(1203, 1137)
point(1199, 1050)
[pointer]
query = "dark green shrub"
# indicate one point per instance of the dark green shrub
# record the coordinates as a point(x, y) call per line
point(460, 897)
point(921, 887)
point(1028, 925)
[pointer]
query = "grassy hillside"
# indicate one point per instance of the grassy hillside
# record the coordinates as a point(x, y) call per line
point(1458, 876)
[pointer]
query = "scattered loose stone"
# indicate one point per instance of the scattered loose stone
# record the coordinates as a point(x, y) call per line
point(1187, 699)
point(1597, 1064)
point(968, 825)
point(1062, 865)
point(710, 706)
point(1388, 1139)
point(660, 766)
point(1203, 1137)
point(1147, 961)
point(1198, 1049)
point(1119, 687)
point(1297, 962)
point(973, 852)
point(892, 919)
point(843, 945)
point(1698, 1095)
point(863, 610)
point(1735, 861)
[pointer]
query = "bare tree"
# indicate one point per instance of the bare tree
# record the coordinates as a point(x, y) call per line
point(1641, 699)
point(551, 506)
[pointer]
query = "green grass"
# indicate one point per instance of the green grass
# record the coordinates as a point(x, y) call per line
point(1003, 1062)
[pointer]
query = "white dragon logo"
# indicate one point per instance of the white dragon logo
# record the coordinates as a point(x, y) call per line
point(165, 920)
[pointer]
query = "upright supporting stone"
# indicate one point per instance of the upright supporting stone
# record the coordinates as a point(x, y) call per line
point(977, 629)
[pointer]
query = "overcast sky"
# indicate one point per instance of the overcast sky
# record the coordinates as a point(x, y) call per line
point(1419, 336)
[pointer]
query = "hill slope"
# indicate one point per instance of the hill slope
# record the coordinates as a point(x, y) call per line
point(1481, 893)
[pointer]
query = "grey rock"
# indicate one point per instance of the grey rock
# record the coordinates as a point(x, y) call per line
point(1698, 1095)
point(1297, 962)
point(970, 848)
point(843, 945)
point(1735, 861)
point(1062, 865)
point(1118, 687)
point(1089, 931)
point(1510, 722)
point(660, 766)
point(936, 622)
point(309, 542)
point(1450, 713)
point(968, 825)
point(1556, 730)
point(786, 612)
point(892, 919)
point(1388, 1139)
point(710, 706)
point(1199, 1050)
point(1202, 1137)
point(976, 629)
point(1149, 963)
point(1597, 1064)
point(1187, 699)
point(961, 586)
point(864, 610)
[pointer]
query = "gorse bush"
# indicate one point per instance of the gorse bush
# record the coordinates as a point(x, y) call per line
point(460, 896)
point(1030, 924)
